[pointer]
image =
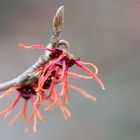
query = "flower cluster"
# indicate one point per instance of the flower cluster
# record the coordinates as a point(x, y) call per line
point(44, 92)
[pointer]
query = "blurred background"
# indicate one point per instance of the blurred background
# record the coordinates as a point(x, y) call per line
point(104, 32)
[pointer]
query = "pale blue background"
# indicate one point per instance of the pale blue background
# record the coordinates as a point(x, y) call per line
point(105, 32)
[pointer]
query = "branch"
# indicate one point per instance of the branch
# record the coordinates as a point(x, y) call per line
point(54, 43)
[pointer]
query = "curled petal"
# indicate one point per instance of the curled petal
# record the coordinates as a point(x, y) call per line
point(63, 71)
point(35, 123)
point(55, 98)
point(75, 75)
point(63, 78)
point(29, 121)
point(93, 98)
point(7, 111)
point(8, 92)
point(64, 90)
point(63, 109)
point(19, 115)
point(91, 65)
point(91, 74)
point(36, 47)
point(36, 110)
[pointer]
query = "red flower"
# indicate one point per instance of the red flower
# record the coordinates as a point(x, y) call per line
point(43, 90)
point(57, 72)
point(27, 93)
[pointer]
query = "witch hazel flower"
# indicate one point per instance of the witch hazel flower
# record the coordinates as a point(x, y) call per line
point(57, 72)
point(27, 93)
point(38, 84)
point(43, 91)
